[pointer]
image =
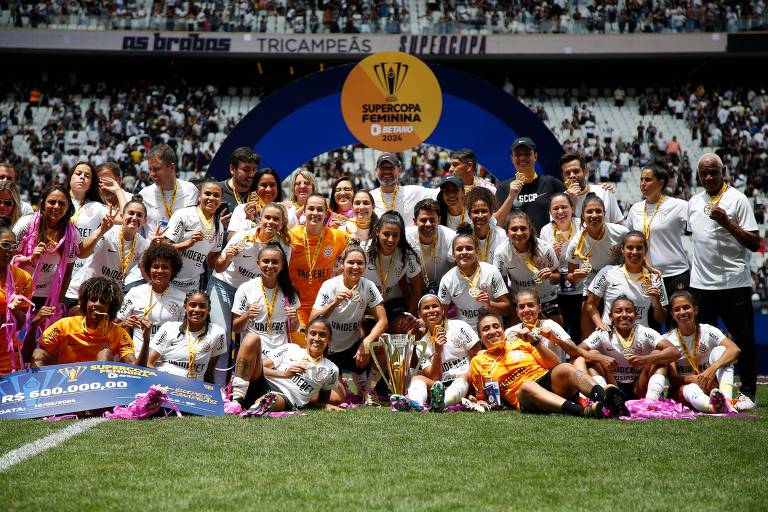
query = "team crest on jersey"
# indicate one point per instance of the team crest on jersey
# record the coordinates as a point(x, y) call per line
point(321, 373)
point(328, 251)
point(456, 342)
point(516, 355)
point(173, 308)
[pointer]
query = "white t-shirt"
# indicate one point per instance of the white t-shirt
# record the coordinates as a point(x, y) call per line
point(392, 268)
point(183, 223)
point(556, 329)
point(172, 346)
point(88, 220)
point(407, 197)
point(606, 251)
point(186, 195)
point(709, 338)
point(612, 210)
point(434, 262)
point(26, 209)
point(244, 266)
point(495, 239)
point(665, 247)
point(166, 307)
point(49, 261)
point(718, 260)
point(299, 389)
point(239, 221)
point(105, 261)
point(278, 333)
point(548, 235)
point(611, 282)
point(511, 266)
point(459, 340)
point(454, 288)
point(347, 316)
point(607, 343)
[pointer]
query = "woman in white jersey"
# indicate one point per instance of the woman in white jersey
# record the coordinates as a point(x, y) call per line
point(702, 377)
point(527, 261)
point(191, 347)
point(638, 356)
point(453, 211)
point(344, 300)
point(480, 204)
point(597, 244)
point(451, 344)
point(112, 251)
point(237, 262)
point(265, 309)
point(265, 189)
point(150, 305)
point(297, 377)
point(472, 285)
point(198, 234)
point(631, 279)
point(361, 226)
point(558, 234)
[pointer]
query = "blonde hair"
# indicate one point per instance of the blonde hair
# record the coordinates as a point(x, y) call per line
point(306, 175)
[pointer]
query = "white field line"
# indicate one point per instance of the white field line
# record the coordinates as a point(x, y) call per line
point(29, 450)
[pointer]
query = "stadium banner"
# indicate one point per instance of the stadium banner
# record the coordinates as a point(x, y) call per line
point(68, 388)
point(351, 45)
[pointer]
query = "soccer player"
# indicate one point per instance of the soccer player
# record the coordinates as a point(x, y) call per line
point(453, 211)
point(265, 189)
point(480, 204)
point(92, 336)
point(360, 227)
point(431, 242)
point(393, 196)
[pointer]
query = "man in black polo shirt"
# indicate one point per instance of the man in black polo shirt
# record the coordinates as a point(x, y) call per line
point(527, 190)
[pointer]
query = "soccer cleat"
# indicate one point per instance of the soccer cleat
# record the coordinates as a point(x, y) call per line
point(473, 406)
point(743, 403)
point(597, 410)
point(263, 405)
point(437, 402)
point(400, 403)
point(371, 400)
point(717, 402)
point(583, 401)
point(614, 401)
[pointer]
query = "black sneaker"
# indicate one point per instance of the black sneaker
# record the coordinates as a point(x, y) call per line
point(597, 410)
point(614, 400)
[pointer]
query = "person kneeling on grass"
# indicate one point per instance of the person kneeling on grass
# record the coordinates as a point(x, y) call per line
point(703, 376)
point(523, 373)
point(450, 346)
point(638, 355)
point(294, 377)
point(92, 337)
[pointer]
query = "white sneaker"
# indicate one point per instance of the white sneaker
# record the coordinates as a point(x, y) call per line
point(743, 403)
point(472, 406)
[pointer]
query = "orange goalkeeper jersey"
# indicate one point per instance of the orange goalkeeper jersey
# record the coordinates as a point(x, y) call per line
point(510, 365)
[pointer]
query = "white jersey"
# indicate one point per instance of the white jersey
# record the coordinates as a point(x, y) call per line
point(607, 343)
point(186, 195)
point(719, 261)
point(454, 221)
point(709, 338)
point(173, 347)
point(26, 209)
point(244, 266)
point(611, 282)
point(347, 316)
point(460, 338)
point(299, 389)
point(612, 210)
point(163, 308)
point(606, 251)
point(392, 269)
point(48, 262)
point(665, 246)
point(239, 221)
point(406, 198)
point(105, 261)
point(181, 226)
point(496, 238)
point(556, 329)
point(435, 259)
point(548, 235)
point(87, 217)
point(512, 266)
point(454, 289)
point(274, 332)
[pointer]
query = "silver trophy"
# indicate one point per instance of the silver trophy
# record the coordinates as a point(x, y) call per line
point(398, 354)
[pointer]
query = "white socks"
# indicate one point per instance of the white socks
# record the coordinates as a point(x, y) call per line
point(456, 391)
point(239, 387)
point(655, 387)
point(417, 391)
point(600, 380)
point(725, 374)
point(696, 397)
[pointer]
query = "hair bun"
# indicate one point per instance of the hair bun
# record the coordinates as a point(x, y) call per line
point(465, 229)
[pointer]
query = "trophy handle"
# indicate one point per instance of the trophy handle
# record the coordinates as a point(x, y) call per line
point(421, 346)
point(379, 343)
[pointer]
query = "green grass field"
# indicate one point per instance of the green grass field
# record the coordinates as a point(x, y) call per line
point(373, 459)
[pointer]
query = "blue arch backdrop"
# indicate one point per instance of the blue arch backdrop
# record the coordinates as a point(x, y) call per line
point(304, 119)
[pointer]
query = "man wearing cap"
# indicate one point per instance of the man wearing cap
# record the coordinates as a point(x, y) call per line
point(527, 189)
point(393, 196)
point(464, 165)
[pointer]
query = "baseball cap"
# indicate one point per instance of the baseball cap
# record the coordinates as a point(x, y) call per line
point(388, 157)
point(523, 141)
point(452, 178)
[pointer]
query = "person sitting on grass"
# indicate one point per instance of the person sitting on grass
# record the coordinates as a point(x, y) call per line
point(450, 346)
point(92, 337)
point(638, 355)
point(523, 373)
point(702, 377)
point(189, 348)
point(295, 377)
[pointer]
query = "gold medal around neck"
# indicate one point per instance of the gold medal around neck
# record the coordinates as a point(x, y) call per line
point(571, 182)
point(708, 210)
point(474, 292)
point(586, 266)
point(627, 353)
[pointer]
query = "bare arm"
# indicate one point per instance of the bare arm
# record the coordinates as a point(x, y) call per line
point(749, 239)
point(591, 308)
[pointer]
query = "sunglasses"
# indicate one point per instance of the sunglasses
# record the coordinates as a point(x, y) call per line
point(8, 203)
point(9, 246)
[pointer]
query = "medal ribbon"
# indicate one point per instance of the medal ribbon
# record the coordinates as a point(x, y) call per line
point(269, 305)
point(312, 260)
point(580, 245)
point(387, 207)
point(559, 234)
point(485, 250)
point(474, 279)
point(192, 348)
point(716, 200)
point(644, 277)
point(125, 260)
point(692, 358)
point(646, 221)
point(384, 277)
point(626, 343)
point(430, 257)
point(151, 305)
point(169, 208)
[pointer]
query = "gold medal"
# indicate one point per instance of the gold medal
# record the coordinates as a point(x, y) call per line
point(715, 201)
point(520, 177)
point(571, 182)
point(645, 285)
point(586, 266)
point(627, 353)
point(474, 292)
point(708, 210)
point(439, 329)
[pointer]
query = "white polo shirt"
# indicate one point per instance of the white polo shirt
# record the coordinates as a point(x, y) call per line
point(665, 246)
point(186, 195)
point(406, 199)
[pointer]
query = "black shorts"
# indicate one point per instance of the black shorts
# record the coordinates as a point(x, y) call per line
point(545, 381)
point(345, 359)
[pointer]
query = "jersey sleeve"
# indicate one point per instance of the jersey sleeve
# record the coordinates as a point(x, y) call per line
point(745, 216)
point(127, 305)
point(240, 302)
point(549, 257)
point(193, 196)
point(175, 230)
point(158, 341)
point(219, 344)
point(468, 335)
point(332, 379)
point(220, 239)
point(412, 266)
point(324, 296)
point(52, 338)
point(599, 283)
point(657, 282)
point(374, 295)
point(444, 292)
point(498, 286)
point(123, 341)
point(594, 340)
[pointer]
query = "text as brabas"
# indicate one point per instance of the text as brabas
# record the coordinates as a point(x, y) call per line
point(352, 44)
point(188, 43)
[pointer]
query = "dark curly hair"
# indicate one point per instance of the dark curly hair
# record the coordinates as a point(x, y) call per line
point(162, 250)
point(105, 290)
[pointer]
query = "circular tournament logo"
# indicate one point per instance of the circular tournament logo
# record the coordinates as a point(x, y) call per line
point(391, 101)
